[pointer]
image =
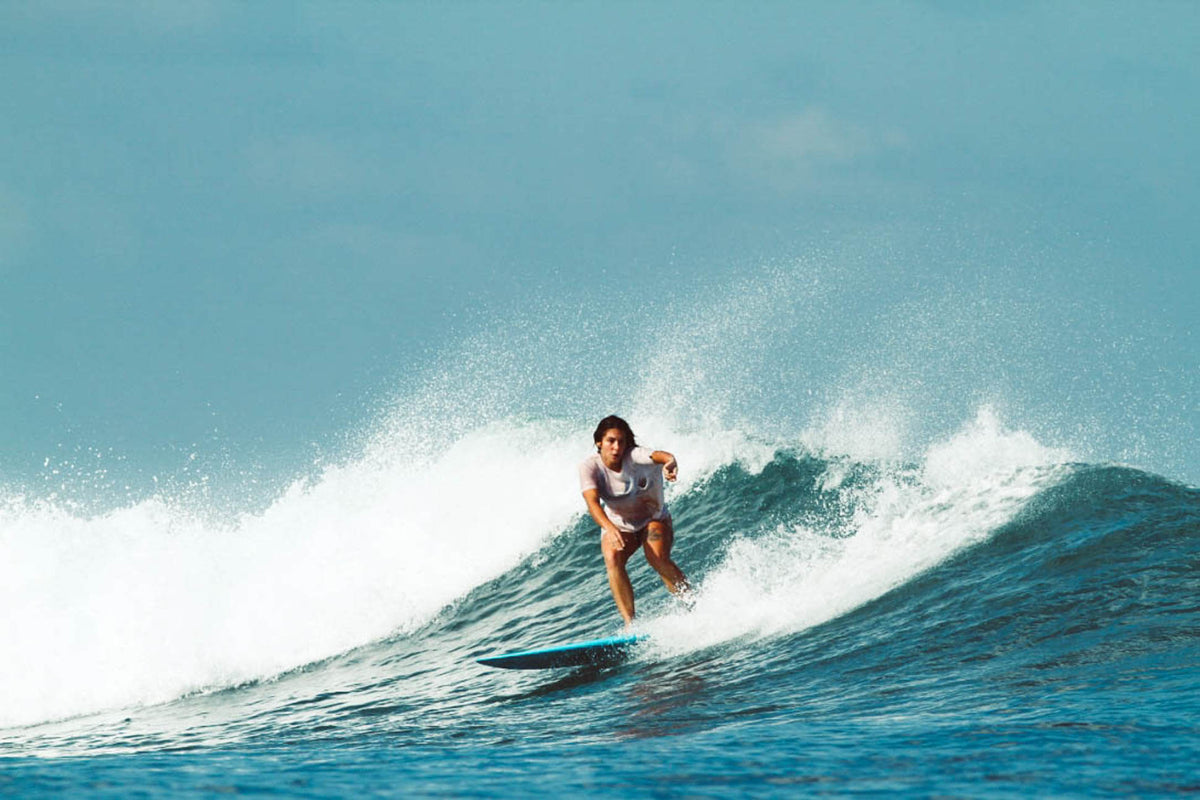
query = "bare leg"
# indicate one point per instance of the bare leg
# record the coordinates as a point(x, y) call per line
point(660, 535)
point(618, 578)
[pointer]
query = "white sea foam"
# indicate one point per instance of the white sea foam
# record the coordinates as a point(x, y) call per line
point(148, 603)
point(911, 519)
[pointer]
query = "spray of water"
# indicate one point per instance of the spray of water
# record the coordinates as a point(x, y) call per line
point(470, 468)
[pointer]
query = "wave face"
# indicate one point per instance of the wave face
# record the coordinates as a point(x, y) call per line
point(990, 614)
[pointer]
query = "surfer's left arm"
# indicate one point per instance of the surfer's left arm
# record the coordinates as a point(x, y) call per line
point(669, 464)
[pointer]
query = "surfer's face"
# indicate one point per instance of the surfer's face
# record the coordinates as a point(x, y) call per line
point(612, 448)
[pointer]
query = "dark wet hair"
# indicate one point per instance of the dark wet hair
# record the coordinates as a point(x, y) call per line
point(613, 421)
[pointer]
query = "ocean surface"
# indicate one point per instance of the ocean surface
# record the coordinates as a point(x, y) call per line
point(990, 619)
point(308, 312)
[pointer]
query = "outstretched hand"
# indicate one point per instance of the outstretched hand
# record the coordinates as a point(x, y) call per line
point(671, 470)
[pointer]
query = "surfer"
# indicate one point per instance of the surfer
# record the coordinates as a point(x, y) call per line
point(622, 485)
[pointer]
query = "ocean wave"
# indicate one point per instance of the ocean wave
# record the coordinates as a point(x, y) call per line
point(147, 605)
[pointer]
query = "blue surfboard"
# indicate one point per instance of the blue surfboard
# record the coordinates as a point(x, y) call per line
point(596, 653)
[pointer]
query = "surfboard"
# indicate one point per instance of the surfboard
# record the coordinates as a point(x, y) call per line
point(596, 653)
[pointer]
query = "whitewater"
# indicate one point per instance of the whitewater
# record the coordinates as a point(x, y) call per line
point(879, 607)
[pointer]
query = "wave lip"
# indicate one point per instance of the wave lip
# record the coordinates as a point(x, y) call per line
point(867, 529)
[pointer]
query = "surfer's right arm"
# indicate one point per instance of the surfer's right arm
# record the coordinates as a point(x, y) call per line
point(592, 498)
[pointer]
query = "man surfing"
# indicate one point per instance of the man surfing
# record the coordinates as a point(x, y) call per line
point(622, 485)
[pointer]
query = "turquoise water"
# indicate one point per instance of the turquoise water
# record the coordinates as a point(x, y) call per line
point(307, 313)
point(1031, 631)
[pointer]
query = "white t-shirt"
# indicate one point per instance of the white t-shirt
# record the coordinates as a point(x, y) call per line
point(632, 497)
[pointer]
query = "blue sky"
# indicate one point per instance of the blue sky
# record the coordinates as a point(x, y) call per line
point(245, 223)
